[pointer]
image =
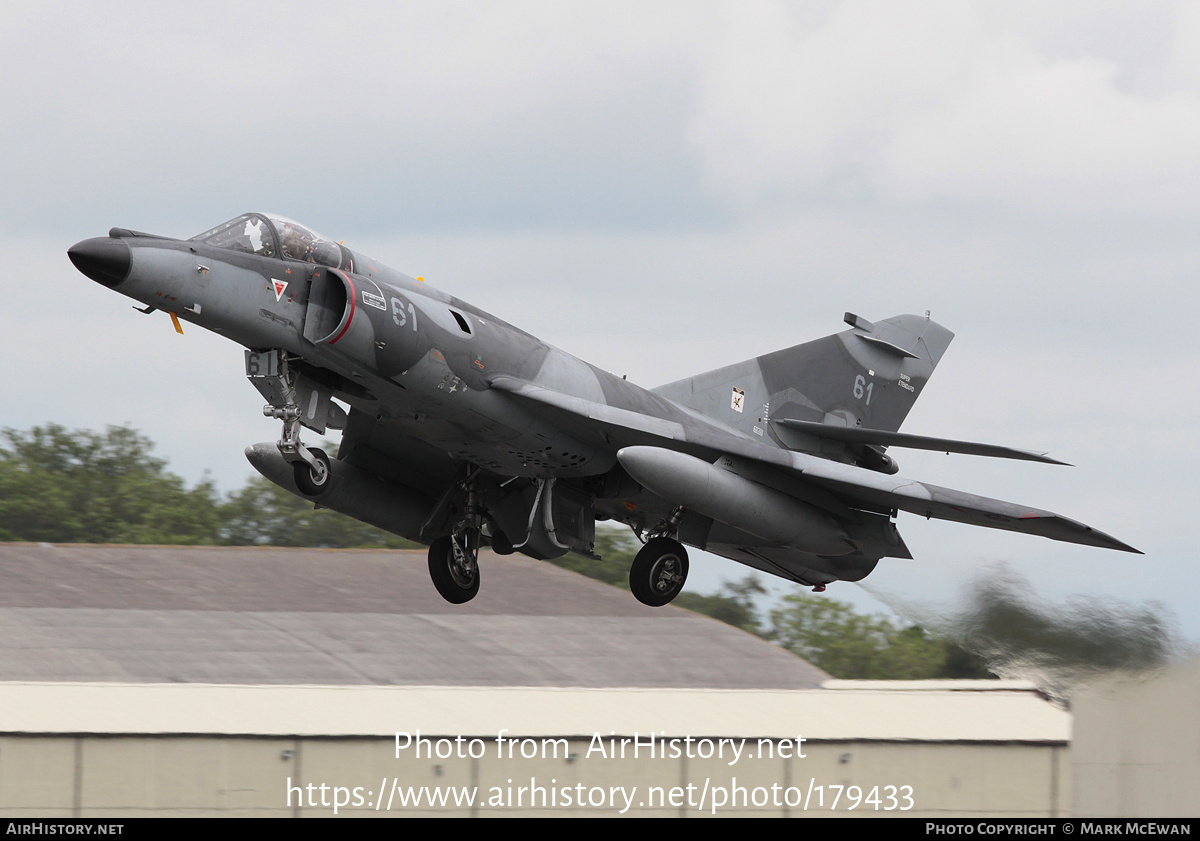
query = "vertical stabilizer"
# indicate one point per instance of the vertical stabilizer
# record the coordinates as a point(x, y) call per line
point(868, 376)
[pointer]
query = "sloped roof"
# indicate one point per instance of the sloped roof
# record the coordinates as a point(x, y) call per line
point(235, 615)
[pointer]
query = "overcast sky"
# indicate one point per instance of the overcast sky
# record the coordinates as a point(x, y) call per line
point(662, 189)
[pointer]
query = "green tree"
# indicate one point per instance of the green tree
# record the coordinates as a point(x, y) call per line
point(264, 514)
point(733, 604)
point(832, 636)
point(77, 486)
point(58, 485)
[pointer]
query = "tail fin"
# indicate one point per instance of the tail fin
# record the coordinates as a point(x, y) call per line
point(869, 376)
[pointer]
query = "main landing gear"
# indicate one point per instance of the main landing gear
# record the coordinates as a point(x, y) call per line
point(454, 566)
point(660, 569)
point(454, 558)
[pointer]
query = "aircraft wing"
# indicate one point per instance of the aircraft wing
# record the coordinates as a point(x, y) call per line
point(852, 485)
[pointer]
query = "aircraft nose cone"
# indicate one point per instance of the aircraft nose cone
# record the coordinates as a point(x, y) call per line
point(104, 259)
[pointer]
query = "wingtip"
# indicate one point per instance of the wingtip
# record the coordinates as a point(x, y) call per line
point(1058, 527)
point(1046, 458)
point(1110, 542)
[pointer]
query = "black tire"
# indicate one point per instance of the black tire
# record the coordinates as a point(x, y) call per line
point(453, 584)
point(658, 572)
point(310, 482)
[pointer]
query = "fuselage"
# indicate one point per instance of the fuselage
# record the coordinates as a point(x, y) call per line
point(437, 386)
point(402, 350)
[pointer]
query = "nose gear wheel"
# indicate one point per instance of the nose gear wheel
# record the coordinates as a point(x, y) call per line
point(312, 481)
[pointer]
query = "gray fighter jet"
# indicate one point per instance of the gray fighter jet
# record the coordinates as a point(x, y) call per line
point(461, 430)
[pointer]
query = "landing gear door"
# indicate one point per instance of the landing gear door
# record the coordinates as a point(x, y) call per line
point(287, 390)
point(317, 410)
point(561, 520)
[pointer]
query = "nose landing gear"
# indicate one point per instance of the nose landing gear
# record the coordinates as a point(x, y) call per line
point(280, 384)
point(312, 480)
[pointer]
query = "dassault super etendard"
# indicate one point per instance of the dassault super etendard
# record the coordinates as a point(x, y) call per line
point(462, 431)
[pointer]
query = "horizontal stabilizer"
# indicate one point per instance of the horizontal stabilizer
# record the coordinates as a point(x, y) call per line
point(887, 346)
point(858, 435)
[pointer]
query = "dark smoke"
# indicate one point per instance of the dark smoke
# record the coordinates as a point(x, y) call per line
point(1057, 645)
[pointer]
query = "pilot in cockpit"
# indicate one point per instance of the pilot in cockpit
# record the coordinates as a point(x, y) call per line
point(296, 245)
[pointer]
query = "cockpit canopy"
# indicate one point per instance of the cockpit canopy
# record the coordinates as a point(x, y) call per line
point(268, 235)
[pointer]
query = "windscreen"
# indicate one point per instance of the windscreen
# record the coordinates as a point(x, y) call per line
point(269, 235)
point(249, 233)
